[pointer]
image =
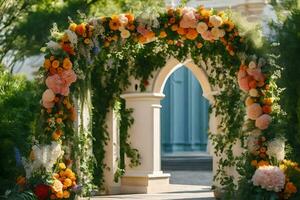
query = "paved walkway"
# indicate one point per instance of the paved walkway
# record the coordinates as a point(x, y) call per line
point(188, 185)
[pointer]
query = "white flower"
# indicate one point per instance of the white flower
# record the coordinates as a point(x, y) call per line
point(215, 20)
point(275, 148)
point(252, 65)
point(270, 178)
point(253, 92)
point(72, 37)
point(123, 20)
point(201, 27)
point(53, 45)
point(125, 34)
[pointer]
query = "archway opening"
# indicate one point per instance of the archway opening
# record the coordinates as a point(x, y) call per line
point(184, 130)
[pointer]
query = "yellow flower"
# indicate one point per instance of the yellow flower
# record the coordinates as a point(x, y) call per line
point(87, 41)
point(72, 27)
point(62, 165)
point(67, 64)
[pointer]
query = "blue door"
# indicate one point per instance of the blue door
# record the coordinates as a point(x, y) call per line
point(184, 114)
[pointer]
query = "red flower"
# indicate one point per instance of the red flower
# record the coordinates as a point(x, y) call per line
point(42, 191)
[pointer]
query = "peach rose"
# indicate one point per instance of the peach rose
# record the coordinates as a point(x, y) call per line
point(48, 95)
point(254, 111)
point(125, 34)
point(263, 121)
point(188, 18)
point(69, 77)
point(215, 20)
point(201, 27)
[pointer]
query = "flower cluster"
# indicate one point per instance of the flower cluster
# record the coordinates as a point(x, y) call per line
point(292, 173)
point(63, 182)
point(270, 178)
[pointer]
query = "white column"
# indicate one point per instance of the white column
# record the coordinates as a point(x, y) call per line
point(112, 152)
point(145, 136)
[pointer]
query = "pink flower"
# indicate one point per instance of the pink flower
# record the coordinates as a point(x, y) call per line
point(60, 84)
point(254, 111)
point(189, 19)
point(257, 74)
point(69, 76)
point(48, 98)
point(242, 73)
point(244, 83)
point(270, 178)
point(263, 121)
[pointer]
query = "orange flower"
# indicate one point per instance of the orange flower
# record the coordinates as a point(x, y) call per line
point(174, 27)
point(263, 149)
point(162, 34)
point(72, 27)
point(106, 44)
point(172, 20)
point(67, 64)
point(290, 188)
point(191, 34)
point(55, 136)
point(47, 63)
point(60, 194)
point(254, 163)
point(114, 23)
point(66, 194)
point(21, 180)
point(51, 58)
point(59, 70)
point(130, 17)
point(68, 48)
point(204, 13)
point(80, 29)
point(59, 120)
point(130, 27)
point(55, 175)
point(268, 101)
point(262, 163)
point(55, 64)
point(199, 45)
point(68, 172)
point(267, 109)
point(170, 42)
point(182, 31)
point(67, 182)
point(142, 39)
point(149, 35)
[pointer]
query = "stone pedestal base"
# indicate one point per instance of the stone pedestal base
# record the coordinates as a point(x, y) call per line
point(145, 184)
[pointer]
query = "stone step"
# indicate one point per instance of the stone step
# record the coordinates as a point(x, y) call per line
point(203, 163)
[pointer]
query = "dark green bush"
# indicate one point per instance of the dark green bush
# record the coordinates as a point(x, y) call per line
point(289, 48)
point(19, 105)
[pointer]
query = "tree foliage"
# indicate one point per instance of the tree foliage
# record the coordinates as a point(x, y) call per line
point(25, 24)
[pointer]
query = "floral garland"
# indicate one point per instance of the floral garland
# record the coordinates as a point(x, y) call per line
point(70, 55)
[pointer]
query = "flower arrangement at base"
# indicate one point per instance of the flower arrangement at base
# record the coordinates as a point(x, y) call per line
point(270, 178)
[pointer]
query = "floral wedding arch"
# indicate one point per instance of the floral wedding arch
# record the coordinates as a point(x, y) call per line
point(89, 65)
